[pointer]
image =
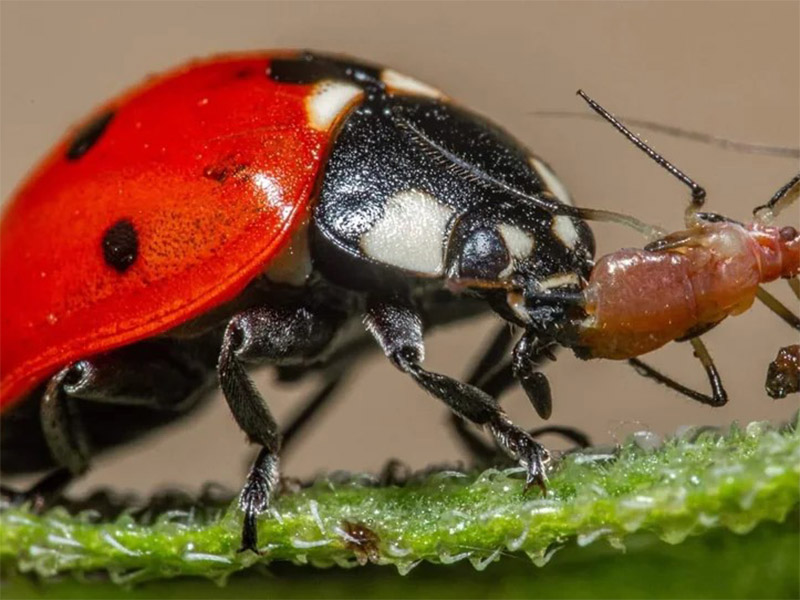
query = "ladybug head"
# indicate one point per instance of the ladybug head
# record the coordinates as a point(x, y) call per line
point(530, 264)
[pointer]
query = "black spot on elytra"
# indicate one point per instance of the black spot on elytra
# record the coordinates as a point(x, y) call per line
point(309, 67)
point(120, 245)
point(88, 135)
point(362, 541)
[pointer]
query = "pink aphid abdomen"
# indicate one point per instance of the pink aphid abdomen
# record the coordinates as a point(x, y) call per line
point(639, 300)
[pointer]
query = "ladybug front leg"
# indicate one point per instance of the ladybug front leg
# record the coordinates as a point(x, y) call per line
point(398, 329)
point(494, 374)
point(276, 336)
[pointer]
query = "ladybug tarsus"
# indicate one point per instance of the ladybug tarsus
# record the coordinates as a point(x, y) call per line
point(255, 496)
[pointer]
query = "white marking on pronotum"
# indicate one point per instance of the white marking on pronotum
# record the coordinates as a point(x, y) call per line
point(411, 233)
point(551, 181)
point(518, 242)
point(559, 280)
point(328, 100)
point(403, 83)
point(564, 229)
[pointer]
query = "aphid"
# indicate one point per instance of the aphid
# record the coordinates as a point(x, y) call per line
point(684, 283)
point(262, 209)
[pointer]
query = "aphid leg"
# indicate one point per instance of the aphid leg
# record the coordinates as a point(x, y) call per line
point(782, 199)
point(265, 335)
point(794, 284)
point(778, 308)
point(398, 329)
point(151, 374)
point(719, 396)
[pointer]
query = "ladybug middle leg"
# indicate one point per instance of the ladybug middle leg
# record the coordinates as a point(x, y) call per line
point(398, 329)
point(276, 336)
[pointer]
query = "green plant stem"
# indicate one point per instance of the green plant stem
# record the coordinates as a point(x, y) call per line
point(683, 488)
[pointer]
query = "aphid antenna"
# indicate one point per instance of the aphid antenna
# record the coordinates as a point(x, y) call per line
point(687, 134)
point(697, 191)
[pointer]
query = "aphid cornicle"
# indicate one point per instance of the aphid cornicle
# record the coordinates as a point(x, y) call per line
point(251, 209)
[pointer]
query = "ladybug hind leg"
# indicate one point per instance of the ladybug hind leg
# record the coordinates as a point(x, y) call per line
point(276, 336)
point(157, 375)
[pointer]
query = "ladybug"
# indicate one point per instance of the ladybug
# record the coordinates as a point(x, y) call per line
point(277, 208)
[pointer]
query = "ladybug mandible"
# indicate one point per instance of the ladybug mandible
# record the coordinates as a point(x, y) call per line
point(251, 209)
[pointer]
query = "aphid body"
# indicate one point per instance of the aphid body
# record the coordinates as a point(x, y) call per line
point(637, 300)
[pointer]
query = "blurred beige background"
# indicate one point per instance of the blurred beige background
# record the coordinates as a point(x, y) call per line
point(731, 69)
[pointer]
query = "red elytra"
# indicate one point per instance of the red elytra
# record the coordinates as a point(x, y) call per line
point(215, 164)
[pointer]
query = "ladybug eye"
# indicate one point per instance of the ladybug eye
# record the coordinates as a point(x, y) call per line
point(484, 255)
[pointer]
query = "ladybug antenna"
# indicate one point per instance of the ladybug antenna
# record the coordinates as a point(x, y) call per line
point(698, 192)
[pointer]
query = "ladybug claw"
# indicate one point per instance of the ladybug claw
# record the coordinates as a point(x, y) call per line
point(535, 464)
point(249, 534)
point(538, 480)
point(520, 445)
point(245, 548)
